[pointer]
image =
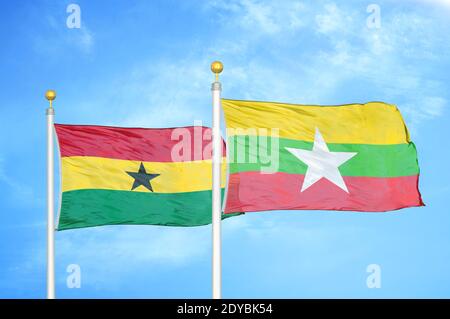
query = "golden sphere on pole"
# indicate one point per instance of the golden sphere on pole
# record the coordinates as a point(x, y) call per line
point(216, 67)
point(50, 95)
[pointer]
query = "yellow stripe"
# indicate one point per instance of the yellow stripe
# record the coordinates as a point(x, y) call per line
point(371, 123)
point(86, 172)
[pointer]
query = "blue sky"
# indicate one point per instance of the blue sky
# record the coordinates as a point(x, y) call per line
point(146, 63)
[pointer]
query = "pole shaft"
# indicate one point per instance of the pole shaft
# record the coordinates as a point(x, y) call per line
point(216, 195)
point(50, 208)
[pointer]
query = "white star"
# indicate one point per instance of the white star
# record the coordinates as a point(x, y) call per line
point(322, 163)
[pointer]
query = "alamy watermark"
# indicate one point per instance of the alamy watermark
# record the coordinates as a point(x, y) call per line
point(74, 278)
point(258, 146)
point(73, 20)
point(373, 21)
point(374, 278)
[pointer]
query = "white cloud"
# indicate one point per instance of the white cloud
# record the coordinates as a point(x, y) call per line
point(434, 106)
point(424, 108)
point(59, 38)
point(442, 3)
point(21, 193)
point(332, 20)
point(261, 17)
point(84, 39)
point(170, 94)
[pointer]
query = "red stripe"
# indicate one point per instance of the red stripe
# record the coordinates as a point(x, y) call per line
point(143, 144)
point(253, 191)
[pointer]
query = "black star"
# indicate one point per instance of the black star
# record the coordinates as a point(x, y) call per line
point(142, 178)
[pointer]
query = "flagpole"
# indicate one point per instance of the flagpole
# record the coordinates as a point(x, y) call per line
point(50, 95)
point(216, 88)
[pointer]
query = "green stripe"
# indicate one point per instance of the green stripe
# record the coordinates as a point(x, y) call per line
point(372, 160)
point(96, 207)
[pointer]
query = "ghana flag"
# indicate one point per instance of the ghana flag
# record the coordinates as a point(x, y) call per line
point(355, 157)
point(113, 175)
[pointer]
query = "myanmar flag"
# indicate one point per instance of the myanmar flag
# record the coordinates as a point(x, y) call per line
point(355, 157)
point(113, 175)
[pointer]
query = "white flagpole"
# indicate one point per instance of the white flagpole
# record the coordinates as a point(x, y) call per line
point(50, 95)
point(216, 68)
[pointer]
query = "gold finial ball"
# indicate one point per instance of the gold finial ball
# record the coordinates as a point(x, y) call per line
point(216, 67)
point(50, 95)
